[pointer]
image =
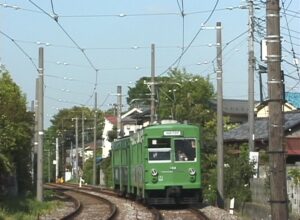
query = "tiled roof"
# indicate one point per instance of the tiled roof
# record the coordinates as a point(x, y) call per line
point(261, 126)
point(233, 106)
point(112, 119)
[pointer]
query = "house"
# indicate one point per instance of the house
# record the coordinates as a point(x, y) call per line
point(109, 122)
point(128, 125)
point(262, 109)
point(240, 135)
point(235, 109)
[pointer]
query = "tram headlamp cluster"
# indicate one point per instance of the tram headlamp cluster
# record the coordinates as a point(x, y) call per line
point(154, 172)
point(192, 173)
point(154, 175)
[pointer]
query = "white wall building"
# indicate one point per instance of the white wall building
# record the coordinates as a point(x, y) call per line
point(128, 124)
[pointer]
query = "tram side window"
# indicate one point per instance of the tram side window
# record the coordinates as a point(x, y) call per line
point(185, 150)
point(159, 149)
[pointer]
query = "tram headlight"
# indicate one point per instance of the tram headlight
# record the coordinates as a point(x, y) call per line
point(154, 172)
point(154, 175)
point(192, 171)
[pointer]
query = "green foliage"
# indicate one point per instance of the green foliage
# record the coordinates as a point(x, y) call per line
point(106, 167)
point(139, 95)
point(88, 171)
point(63, 127)
point(237, 176)
point(113, 134)
point(209, 179)
point(295, 174)
point(27, 207)
point(64, 124)
point(15, 133)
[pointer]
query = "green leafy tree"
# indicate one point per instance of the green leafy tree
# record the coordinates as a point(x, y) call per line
point(63, 127)
point(237, 175)
point(15, 133)
point(107, 169)
point(112, 134)
point(295, 174)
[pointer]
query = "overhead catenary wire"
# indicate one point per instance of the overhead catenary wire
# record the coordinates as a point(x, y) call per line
point(55, 18)
point(193, 39)
point(291, 42)
point(21, 49)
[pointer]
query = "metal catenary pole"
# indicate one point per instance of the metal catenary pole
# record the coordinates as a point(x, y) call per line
point(220, 150)
point(56, 159)
point(251, 65)
point(152, 107)
point(82, 139)
point(95, 140)
point(278, 186)
point(40, 126)
point(119, 111)
point(76, 147)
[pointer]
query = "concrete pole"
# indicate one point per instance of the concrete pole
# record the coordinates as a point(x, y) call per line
point(95, 141)
point(49, 165)
point(82, 139)
point(119, 111)
point(278, 187)
point(152, 108)
point(56, 159)
point(220, 150)
point(251, 67)
point(40, 126)
point(76, 147)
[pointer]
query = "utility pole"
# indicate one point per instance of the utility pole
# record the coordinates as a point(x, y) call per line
point(33, 143)
point(119, 111)
point(220, 150)
point(36, 133)
point(56, 159)
point(49, 165)
point(95, 140)
point(82, 139)
point(76, 147)
point(152, 108)
point(40, 126)
point(251, 66)
point(278, 188)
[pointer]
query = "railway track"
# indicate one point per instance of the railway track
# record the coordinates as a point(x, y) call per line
point(86, 206)
point(156, 212)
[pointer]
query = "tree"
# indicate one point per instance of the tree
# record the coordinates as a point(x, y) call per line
point(112, 134)
point(63, 127)
point(180, 96)
point(16, 125)
point(237, 175)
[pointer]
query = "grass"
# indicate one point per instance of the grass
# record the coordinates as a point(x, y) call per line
point(27, 207)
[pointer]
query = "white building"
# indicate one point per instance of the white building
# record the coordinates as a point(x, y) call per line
point(129, 126)
point(109, 122)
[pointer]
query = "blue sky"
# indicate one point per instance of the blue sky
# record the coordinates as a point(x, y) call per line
point(116, 37)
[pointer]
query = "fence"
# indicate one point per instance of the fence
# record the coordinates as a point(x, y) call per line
point(260, 194)
point(294, 196)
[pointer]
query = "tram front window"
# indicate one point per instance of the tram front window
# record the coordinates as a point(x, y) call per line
point(185, 150)
point(159, 150)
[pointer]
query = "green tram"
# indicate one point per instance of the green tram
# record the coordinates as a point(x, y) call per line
point(159, 164)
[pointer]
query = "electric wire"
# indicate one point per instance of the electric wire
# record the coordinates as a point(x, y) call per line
point(181, 8)
point(293, 51)
point(21, 49)
point(75, 43)
point(194, 38)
